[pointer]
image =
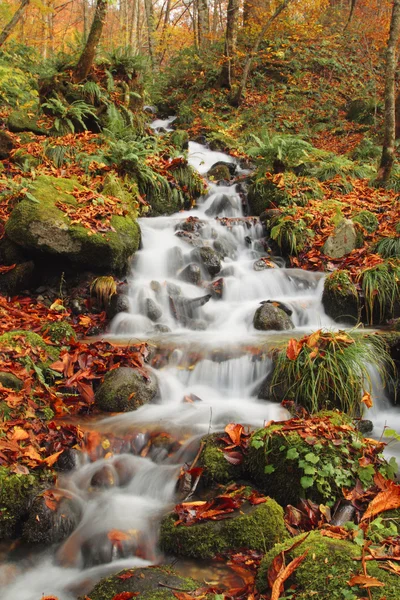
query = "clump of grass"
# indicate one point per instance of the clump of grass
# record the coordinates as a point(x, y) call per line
point(289, 233)
point(388, 247)
point(381, 288)
point(102, 288)
point(367, 220)
point(327, 370)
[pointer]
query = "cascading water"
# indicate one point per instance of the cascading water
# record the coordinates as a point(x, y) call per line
point(174, 303)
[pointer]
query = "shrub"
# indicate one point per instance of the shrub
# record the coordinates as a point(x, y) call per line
point(381, 288)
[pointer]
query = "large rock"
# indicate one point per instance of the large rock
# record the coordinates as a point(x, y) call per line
point(153, 310)
point(342, 241)
point(219, 172)
point(208, 258)
point(340, 298)
point(19, 121)
point(191, 274)
point(269, 317)
point(44, 229)
point(52, 518)
point(150, 583)
point(125, 389)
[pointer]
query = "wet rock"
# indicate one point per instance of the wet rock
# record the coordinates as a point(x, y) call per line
point(195, 324)
point(77, 306)
point(342, 241)
point(280, 305)
point(6, 145)
point(125, 389)
point(365, 426)
point(118, 303)
point(52, 518)
point(156, 286)
point(125, 467)
point(227, 271)
point(150, 583)
point(175, 260)
point(191, 224)
point(227, 205)
point(224, 248)
point(259, 528)
point(10, 381)
point(68, 460)
point(216, 288)
point(263, 263)
point(208, 258)
point(186, 308)
point(269, 317)
point(162, 328)
point(173, 289)
point(219, 172)
point(230, 166)
point(340, 298)
point(191, 274)
point(193, 239)
point(153, 310)
point(104, 477)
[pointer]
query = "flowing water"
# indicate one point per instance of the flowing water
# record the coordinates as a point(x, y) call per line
point(214, 357)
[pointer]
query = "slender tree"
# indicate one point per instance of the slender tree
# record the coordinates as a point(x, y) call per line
point(230, 43)
point(148, 7)
point(387, 159)
point(237, 99)
point(13, 22)
point(87, 57)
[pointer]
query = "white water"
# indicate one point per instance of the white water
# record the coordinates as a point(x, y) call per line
point(226, 385)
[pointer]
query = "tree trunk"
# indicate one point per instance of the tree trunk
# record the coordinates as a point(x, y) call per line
point(148, 7)
point(237, 99)
point(203, 23)
point(12, 23)
point(387, 160)
point(87, 57)
point(230, 43)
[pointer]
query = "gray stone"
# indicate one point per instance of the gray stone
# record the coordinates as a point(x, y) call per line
point(185, 308)
point(191, 273)
point(208, 258)
point(269, 317)
point(224, 248)
point(173, 289)
point(118, 303)
point(262, 263)
point(50, 526)
point(125, 389)
point(153, 310)
point(10, 381)
point(342, 241)
point(227, 205)
point(162, 328)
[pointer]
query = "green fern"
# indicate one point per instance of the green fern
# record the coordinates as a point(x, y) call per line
point(289, 150)
point(67, 116)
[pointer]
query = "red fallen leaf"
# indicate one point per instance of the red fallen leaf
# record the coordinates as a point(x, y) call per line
point(388, 499)
point(124, 576)
point(126, 595)
point(235, 432)
point(183, 596)
point(293, 349)
point(365, 581)
point(86, 391)
point(5, 269)
point(256, 498)
point(234, 458)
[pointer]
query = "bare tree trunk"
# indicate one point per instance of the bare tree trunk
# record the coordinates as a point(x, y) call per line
point(352, 7)
point(387, 159)
point(13, 22)
point(230, 43)
point(203, 22)
point(148, 7)
point(236, 100)
point(87, 57)
point(85, 19)
point(132, 25)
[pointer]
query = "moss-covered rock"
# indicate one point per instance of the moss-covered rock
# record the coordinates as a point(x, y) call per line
point(269, 317)
point(152, 583)
point(59, 332)
point(6, 145)
point(25, 160)
point(258, 528)
point(290, 464)
point(361, 111)
point(219, 172)
point(125, 389)
point(51, 524)
point(367, 220)
point(217, 470)
point(326, 570)
point(45, 229)
point(10, 381)
point(342, 241)
point(263, 193)
point(21, 338)
point(340, 298)
point(16, 494)
point(20, 121)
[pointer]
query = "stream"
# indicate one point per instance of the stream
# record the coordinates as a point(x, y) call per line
point(190, 318)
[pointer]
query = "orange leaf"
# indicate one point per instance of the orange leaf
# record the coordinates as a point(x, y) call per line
point(19, 434)
point(50, 460)
point(293, 349)
point(367, 400)
point(365, 581)
point(285, 574)
point(313, 339)
point(389, 499)
point(234, 431)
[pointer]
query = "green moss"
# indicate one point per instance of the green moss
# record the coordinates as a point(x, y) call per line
point(326, 570)
point(25, 160)
point(148, 582)
point(367, 220)
point(263, 194)
point(59, 331)
point(16, 493)
point(258, 529)
point(285, 466)
point(20, 338)
point(340, 297)
point(20, 121)
point(216, 468)
point(180, 139)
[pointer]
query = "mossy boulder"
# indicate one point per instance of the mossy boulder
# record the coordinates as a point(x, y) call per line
point(340, 298)
point(326, 570)
point(217, 470)
point(10, 381)
point(51, 520)
point(20, 121)
point(342, 241)
point(269, 317)
point(20, 339)
point(59, 332)
point(263, 194)
point(361, 111)
point(6, 145)
point(152, 583)
point(367, 220)
point(43, 228)
point(254, 527)
point(288, 463)
point(124, 389)
point(16, 494)
point(21, 277)
point(219, 172)
point(25, 160)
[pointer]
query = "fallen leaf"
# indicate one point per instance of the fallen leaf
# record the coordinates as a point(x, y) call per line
point(367, 400)
point(365, 581)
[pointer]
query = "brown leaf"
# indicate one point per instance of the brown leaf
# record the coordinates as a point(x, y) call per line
point(388, 499)
point(367, 400)
point(235, 432)
point(293, 349)
point(365, 581)
point(50, 460)
point(284, 574)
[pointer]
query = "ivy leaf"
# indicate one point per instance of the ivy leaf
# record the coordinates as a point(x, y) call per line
point(309, 470)
point(306, 482)
point(312, 458)
point(269, 469)
point(257, 443)
point(292, 453)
